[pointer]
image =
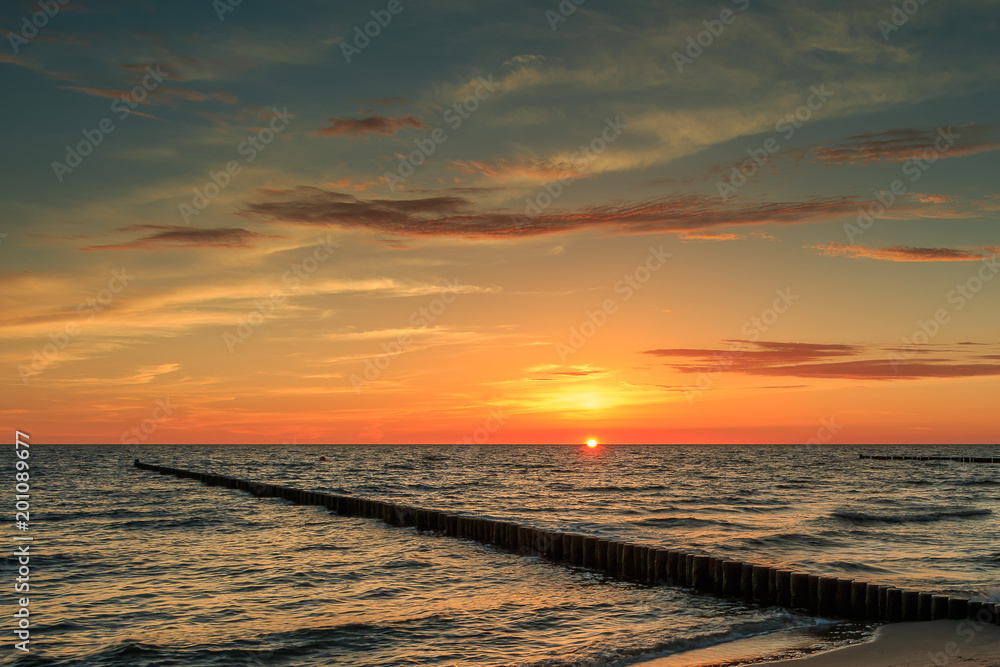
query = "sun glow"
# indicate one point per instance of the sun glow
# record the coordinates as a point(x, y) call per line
point(592, 443)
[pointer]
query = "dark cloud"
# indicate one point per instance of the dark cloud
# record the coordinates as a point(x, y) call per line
point(360, 127)
point(902, 144)
point(883, 369)
point(809, 360)
point(176, 236)
point(765, 352)
point(907, 254)
point(895, 145)
point(457, 216)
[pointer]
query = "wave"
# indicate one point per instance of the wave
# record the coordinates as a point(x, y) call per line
point(165, 522)
point(323, 547)
point(630, 652)
point(690, 521)
point(612, 487)
point(791, 539)
point(920, 517)
point(852, 567)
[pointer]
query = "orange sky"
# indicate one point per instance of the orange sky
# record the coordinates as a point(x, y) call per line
point(531, 235)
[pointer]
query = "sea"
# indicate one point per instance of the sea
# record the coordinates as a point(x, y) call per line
point(130, 567)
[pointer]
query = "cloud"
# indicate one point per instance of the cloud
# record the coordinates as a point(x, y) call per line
point(933, 199)
point(457, 216)
point(162, 94)
point(105, 92)
point(907, 254)
point(147, 374)
point(764, 352)
point(177, 236)
point(895, 145)
point(532, 171)
point(903, 144)
point(884, 369)
point(810, 360)
point(376, 124)
point(724, 236)
point(354, 185)
point(524, 60)
point(550, 372)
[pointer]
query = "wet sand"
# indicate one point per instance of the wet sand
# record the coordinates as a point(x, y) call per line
point(938, 643)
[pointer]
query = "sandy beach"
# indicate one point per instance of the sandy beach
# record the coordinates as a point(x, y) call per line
point(938, 643)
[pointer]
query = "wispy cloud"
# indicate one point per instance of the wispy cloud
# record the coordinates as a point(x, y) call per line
point(903, 144)
point(162, 94)
point(376, 124)
point(532, 171)
point(457, 216)
point(906, 253)
point(177, 236)
point(811, 360)
point(764, 352)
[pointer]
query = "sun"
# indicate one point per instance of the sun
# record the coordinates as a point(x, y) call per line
point(592, 443)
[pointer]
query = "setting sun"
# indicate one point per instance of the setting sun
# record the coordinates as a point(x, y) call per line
point(592, 443)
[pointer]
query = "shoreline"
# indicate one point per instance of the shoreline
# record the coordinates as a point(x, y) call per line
point(923, 644)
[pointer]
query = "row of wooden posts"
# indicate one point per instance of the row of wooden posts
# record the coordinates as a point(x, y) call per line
point(959, 459)
point(829, 597)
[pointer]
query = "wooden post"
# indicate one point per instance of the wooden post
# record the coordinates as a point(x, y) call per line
point(800, 590)
point(826, 597)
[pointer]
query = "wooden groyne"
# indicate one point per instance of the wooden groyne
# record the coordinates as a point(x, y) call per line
point(959, 459)
point(829, 597)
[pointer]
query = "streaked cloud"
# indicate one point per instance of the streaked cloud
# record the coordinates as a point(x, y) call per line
point(906, 253)
point(376, 124)
point(825, 361)
point(178, 236)
point(458, 216)
point(904, 144)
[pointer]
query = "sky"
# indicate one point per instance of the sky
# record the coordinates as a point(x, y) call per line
point(500, 222)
